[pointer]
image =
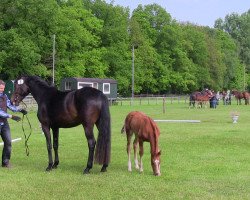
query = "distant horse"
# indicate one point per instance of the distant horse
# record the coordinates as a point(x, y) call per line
point(57, 109)
point(238, 96)
point(246, 96)
point(192, 98)
point(145, 129)
point(198, 99)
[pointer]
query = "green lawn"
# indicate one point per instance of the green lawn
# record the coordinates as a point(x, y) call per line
point(207, 160)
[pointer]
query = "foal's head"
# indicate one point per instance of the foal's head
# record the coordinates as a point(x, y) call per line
point(156, 163)
point(21, 90)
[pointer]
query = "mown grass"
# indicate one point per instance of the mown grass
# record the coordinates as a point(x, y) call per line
point(207, 160)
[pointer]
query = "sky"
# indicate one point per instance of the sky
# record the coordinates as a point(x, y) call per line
point(200, 12)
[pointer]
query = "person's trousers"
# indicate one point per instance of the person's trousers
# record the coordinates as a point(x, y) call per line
point(6, 137)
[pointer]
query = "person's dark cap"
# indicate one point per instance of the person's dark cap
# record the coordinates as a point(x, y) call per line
point(2, 82)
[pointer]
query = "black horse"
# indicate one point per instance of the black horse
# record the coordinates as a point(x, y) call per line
point(57, 109)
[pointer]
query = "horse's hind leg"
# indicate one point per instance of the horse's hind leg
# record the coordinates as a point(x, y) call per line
point(55, 146)
point(91, 144)
point(129, 136)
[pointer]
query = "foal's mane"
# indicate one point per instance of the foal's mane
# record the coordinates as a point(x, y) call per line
point(156, 133)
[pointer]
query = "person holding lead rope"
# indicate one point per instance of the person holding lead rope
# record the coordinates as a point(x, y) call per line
point(4, 125)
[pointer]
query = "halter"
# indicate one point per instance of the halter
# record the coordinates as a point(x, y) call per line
point(19, 82)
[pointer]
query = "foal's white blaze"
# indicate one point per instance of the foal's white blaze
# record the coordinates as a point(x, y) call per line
point(20, 81)
point(157, 167)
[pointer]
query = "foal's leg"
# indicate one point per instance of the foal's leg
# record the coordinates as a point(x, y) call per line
point(135, 151)
point(55, 146)
point(141, 154)
point(129, 136)
point(49, 146)
point(91, 144)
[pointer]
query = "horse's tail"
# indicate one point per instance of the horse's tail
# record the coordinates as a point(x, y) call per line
point(103, 146)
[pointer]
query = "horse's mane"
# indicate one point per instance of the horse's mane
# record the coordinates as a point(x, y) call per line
point(38, 81)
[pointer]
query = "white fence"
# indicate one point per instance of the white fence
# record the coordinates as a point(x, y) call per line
point(152, 100)
point(30, 102)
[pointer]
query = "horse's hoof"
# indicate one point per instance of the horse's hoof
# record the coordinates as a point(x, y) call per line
point(104, 169)
point(56, 163)
point(49, 168)
point(54, 167)
point(86, 171)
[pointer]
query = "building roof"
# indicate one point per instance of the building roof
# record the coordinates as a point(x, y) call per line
point(98, 80)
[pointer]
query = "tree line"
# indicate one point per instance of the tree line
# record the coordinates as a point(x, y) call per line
point(95, 39)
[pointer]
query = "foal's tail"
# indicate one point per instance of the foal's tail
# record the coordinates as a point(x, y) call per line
point(103, 146)
point(123, 129)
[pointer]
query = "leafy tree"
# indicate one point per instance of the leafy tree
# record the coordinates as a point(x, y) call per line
point(94, 39)
point(24, 29)
point(238, 26)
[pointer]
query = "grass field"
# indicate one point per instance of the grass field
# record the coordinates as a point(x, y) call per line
point(207, 160)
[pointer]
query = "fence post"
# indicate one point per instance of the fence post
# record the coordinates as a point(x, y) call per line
point(164, 108)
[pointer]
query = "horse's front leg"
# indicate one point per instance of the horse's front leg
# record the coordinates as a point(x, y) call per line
point(46, 131)
point(135, 144)
point(55, 146)
point(91, 144)
point(141, 154)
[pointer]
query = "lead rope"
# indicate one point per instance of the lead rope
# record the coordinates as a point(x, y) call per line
point(26, 138)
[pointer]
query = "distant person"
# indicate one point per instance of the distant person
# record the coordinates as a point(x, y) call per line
point(4, 125)
point(213, 102)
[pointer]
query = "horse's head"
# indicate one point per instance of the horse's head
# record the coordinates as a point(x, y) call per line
point(235, 92)
point(21, 90)
point(156, 163)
